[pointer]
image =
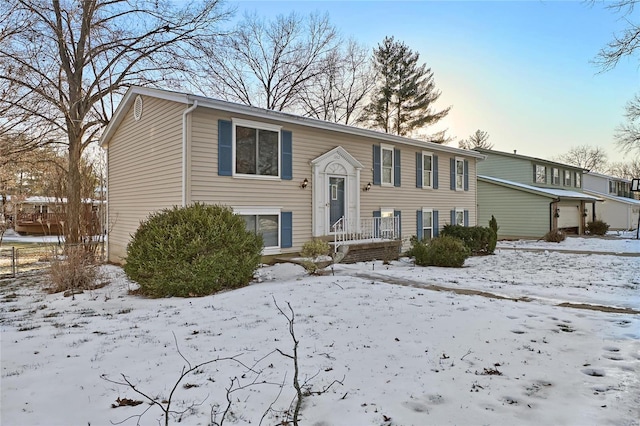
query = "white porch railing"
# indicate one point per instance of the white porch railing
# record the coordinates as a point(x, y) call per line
point(365, 229)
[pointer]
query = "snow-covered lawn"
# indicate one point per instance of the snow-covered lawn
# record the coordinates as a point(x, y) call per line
point(389, 354)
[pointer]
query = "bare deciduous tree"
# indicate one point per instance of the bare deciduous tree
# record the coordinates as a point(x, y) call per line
point(587, 157)
point(628, 133)
point(267, 63)
point(338, 94)
point(63, 65)
point(480, 139)
point(626, 170)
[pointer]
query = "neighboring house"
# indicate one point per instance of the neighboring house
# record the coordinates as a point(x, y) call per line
point(39, 215)
point(619, 209)
point(292, 178)
point(530, 196)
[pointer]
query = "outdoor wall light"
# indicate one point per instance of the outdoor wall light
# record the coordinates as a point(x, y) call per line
point(367, 188)
point(304, 183)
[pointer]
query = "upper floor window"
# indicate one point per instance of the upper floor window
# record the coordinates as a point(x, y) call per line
point(612, 187)
point(555, 176)
point(540, 175)
point(256, 148)
point(387, 165)
point(459, 174)
point(578, 180)
point(427, 170)
point(567, 178)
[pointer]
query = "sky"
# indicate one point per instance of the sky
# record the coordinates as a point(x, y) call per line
point(388, 354)
point(522, 71)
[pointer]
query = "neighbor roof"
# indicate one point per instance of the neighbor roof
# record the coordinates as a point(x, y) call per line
point(545, 192)
point(205, 102)
point(625, 200)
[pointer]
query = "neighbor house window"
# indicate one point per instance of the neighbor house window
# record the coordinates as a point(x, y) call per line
point(555, 176)
point(427, 224)
point(256, 148)
point(265, 222)
point(540, 174)
point(567, 178)
point(612, 187)
point(387, 165)
point(427, 170)
point(578, 180)
point(459, 217)
point(459, 174)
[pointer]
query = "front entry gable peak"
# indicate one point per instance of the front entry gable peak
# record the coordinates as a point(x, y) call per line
point(336, 153)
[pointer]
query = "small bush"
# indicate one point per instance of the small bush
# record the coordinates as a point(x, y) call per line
point(554, 236)
point(75, 271)
point(192, 251)
point(478, 239)
point(444, 251)
point(315, 248)
point(597, 227)
point(493, 224)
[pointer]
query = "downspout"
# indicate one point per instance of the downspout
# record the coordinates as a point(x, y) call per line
point(184, 151)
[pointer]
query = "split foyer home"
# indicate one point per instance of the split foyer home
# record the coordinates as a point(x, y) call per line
point(530, 196)
point(619, 209)
point(292, 178)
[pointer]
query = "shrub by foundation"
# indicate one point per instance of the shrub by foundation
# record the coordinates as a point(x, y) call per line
point(444, 251)
point(597, 227)
point(479, 240)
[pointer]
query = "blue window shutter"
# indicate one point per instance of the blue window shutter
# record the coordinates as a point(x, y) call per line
point(398, 214)
point(434, 167)
point(453, 217)
point(396, 167)
point(225, 148)
point(377, 166)
point(452, 173)
point(419, 233)
point(466, 218)
point(286, 229)
point(376, 224)
point(436, 230)
point(286, 142)
point(418, 170)
point(466, 175)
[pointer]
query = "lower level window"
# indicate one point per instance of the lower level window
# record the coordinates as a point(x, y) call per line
point(427, 224)
point(266, 225)
point(459, 217)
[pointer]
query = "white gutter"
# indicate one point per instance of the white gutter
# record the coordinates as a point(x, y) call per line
point(184, 151)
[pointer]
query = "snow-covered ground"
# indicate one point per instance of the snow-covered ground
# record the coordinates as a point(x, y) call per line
point(390, 349)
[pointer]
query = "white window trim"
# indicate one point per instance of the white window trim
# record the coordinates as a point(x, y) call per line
point(459, 159)
point(459, 210)
point(555, 170)
point(428, 185)
point(250, 211)
point(424, 210)
point(567, 173)
point(387, 210)
point(544, 180)
point(261, 126)
point(577, 180)
point(384, 147)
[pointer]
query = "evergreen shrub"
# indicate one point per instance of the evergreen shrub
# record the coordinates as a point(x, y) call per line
point(479, 240)
point(192, 251)
point(597, 227)
point(443, 251)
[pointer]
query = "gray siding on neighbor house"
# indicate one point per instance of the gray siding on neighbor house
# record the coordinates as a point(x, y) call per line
point(308, 144)
point(145, 171)
point(509, 168)
point(519, 214)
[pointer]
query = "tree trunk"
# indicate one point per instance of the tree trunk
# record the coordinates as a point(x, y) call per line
point(74, 200)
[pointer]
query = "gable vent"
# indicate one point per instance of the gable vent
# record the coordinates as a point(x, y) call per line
point(137, 108)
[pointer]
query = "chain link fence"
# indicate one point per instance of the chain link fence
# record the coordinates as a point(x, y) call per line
point(19, 260)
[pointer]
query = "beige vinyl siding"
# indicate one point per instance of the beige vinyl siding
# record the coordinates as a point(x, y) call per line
point(519, 214)
point(145, 171)
point(308, 144)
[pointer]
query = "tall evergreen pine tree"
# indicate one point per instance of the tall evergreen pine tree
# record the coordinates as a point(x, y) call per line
point(405, 94)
